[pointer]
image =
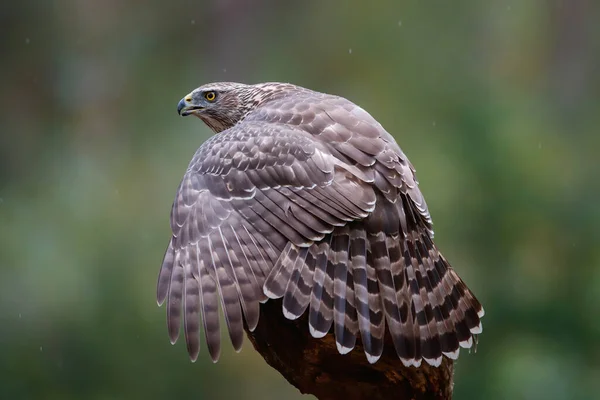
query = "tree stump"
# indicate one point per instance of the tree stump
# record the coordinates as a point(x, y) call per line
point(314, 365)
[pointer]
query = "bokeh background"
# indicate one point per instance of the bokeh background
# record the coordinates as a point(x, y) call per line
point(496, 103)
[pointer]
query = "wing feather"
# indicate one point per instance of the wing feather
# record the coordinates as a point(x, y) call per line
point(209, 299)
point(343, 303)
point(164, 277)
point(174, 300)
point(321, 302)
point(191, 305)
point(297, 294)
point(325, 211)
point(228, 292)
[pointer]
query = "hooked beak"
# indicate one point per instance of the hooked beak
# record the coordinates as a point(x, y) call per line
point(184, 107)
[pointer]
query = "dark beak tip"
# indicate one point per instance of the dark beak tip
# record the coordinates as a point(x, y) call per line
point(180, 106)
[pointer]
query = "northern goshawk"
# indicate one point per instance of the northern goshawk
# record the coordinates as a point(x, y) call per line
point(305, 196)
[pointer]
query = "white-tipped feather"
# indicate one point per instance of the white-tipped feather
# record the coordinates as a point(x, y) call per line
point(411, 362)
point(289, 315)
point(467, 343)
point(434, 362)
point(477, 330)
point(269, 294)
point(372, 359)
point(453, 355)
point(343, 349)
point(315, 333)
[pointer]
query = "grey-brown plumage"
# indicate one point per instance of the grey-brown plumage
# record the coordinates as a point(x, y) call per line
point(304, 196)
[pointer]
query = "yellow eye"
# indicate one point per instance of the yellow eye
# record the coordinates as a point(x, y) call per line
point(210, 96)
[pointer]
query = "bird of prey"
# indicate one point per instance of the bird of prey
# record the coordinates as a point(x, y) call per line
point(304, 196)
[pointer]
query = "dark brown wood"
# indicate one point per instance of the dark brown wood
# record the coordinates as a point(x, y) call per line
point(314, 365)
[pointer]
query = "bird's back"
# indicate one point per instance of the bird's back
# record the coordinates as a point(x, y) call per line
point(330, 208)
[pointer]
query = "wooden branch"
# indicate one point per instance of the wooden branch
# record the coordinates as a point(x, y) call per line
point(314, 365)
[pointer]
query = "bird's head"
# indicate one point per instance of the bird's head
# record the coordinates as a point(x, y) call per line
point(221, 105)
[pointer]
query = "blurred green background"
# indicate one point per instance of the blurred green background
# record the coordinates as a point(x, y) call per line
point(497, 104)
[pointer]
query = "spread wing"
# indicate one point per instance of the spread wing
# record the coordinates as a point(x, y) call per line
point(248, 194)
point(310, 199)
point(383, 269)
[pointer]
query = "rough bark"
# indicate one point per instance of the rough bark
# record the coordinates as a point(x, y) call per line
point(314, 365)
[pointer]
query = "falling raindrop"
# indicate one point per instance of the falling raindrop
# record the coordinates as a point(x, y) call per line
point(27, 41)
point(193, 21)
point(41, 349)
point(349, 51)
point(433, 123)
point(540, 145)
point(399, 23)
